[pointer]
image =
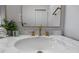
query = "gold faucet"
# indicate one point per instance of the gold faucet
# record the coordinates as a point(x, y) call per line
point(40, 28)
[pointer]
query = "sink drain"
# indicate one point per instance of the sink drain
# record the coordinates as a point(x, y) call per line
point(39, 51)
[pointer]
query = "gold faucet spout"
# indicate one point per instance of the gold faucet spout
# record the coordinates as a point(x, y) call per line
point(40, 28)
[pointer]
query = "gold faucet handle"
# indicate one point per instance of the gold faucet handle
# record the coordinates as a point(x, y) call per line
point(33, 33)
point(46, 33)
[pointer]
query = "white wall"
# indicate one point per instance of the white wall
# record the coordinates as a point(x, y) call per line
point(13, 12)
point(72, 21)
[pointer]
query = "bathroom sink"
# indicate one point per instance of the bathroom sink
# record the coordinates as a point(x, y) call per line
point(37, 43)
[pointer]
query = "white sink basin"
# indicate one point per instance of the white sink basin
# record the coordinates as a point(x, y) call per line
point(36, 44)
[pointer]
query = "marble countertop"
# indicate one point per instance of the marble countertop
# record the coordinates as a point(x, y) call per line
point(61, 44)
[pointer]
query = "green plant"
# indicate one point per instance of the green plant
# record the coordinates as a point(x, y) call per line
point(10, 26)
point(5, 25)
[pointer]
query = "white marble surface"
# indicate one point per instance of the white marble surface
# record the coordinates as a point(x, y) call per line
point(51, 44)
